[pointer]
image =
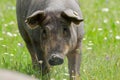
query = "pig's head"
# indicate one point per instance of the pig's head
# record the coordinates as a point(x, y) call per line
point(56, 32)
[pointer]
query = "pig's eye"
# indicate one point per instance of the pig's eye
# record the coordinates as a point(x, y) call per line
point(65, 31)
point(44, 33)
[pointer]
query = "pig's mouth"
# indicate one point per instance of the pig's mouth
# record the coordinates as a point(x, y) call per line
point(55, 60)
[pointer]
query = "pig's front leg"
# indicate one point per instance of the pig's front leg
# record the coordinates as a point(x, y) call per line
point(74, 60)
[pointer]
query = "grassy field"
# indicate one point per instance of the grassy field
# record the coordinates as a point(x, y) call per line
point(101, 44)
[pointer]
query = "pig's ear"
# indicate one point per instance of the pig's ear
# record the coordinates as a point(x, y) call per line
point(72, 16)
point(35, 19)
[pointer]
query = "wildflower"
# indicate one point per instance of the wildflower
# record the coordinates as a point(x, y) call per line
point(90, 41)
point(5, 25)
point(117, 37)
point(11, 55)
point(105, 21)
point(40, 61)
point(1, 39)
point(20, 44)
point(11, 7)
point(6, 53)
point(105, 38)
point(105, 9)
point(3, 32)
point(9, 34)
point(52, 79)
point(4, 45)
point(11, 23)
point(14, 35)
point(89, 48)
point(100, 29)
point(84, 39)
point(66, 74)
point(110, 31)
point(117, 22)
point(84, 70)
point(90, 44)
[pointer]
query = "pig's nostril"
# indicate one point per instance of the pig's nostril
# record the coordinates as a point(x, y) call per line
point(54, 60)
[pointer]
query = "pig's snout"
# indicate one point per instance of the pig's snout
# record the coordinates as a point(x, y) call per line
point(55, 60)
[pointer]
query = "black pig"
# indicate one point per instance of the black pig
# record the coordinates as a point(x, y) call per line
point(52, 29)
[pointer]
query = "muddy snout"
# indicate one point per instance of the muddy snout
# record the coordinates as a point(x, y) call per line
point(55, 59)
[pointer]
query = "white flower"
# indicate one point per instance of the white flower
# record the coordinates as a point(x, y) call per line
point(84, 39)
point(14, 35)
point(89, 48)
point(11, 8)
point(1, 39)
point(100, 29)
point(40, 61)
point(105, 38)
point(52, 79)
point(105, 9)
point(90, 43)
point(66, 74)
point(4, 45)
point(9, 34)
point(11, 55)
point(84, 70)
point(117, 22)
point(6, 53)
point(11, 23)
point(3, 32)
point(105, 21)
point(20, 44)
point(110, 31)
point(117, 37)
point(5, 25)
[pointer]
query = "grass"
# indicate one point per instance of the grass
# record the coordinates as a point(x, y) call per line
point(101, 53)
